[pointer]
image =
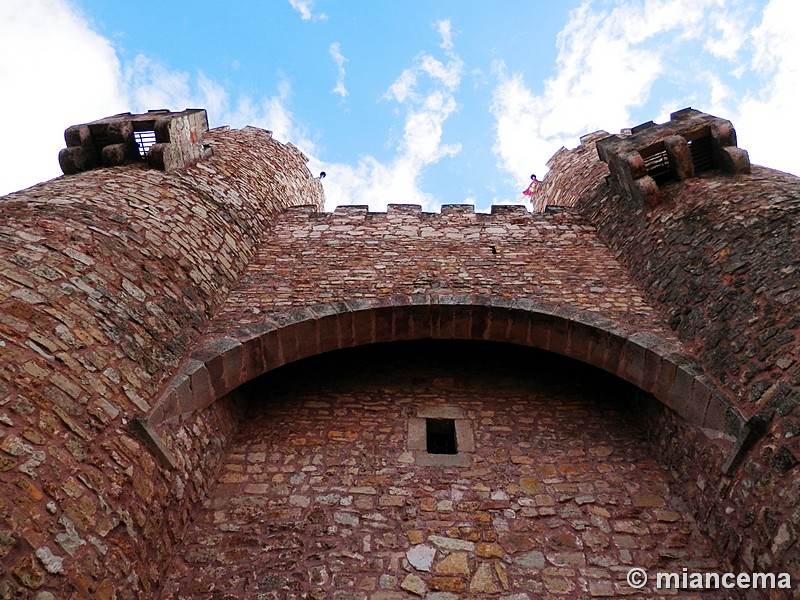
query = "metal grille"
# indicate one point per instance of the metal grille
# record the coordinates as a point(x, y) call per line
point(144, 141)
point(658, 168)
point(703, 155)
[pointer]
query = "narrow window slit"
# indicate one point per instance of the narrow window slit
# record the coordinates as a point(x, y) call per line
point(441, 436)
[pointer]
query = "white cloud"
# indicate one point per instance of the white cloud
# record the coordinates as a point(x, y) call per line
point(729, 29)
point(720, 94)
point(33, 37)
point(765, 117)
point(424, 94)
point(601, 74)
point(372, 182)
point(427, 93)
point(272, 113)
point(445, 30)
point(776, 37)
point(339, 59)
point(306, 8)
point(609, 62)
point(448, 74)
point(149, 84)
point(422, 137)
point(521, 146)
point(154, 85)
point(54, 72)
point(403, 87)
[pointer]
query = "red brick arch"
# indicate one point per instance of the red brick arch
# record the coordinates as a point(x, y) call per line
point(641, 358)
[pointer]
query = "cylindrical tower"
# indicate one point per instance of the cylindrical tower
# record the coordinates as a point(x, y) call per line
point(107, 277)
point(714, 242)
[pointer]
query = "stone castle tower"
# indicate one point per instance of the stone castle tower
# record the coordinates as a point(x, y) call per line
point(211, 389)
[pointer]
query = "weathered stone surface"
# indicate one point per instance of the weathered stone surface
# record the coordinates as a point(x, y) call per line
point(447, 584)
point(106, 279)
point(51, 562)
point(482, 582)
point(421, 557)
point(414, 584)
point(533, 560)
point(313, 517)
point(452, 544)
point(454, 564)
point(116, 284)
point(485, 550)
point(708, 255)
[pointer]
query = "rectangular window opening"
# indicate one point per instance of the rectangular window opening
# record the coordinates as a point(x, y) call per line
point(441, 436)
point(658, 167)
point(703, 154)
point(144, 141)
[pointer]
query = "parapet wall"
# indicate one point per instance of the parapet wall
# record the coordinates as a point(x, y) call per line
point(313, 257)
point(108, 278)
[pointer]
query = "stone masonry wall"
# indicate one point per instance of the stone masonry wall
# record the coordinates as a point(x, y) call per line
point(719, 255)
point(108, 277)
point(573, 174)
point(312, 257)
point(320, 496)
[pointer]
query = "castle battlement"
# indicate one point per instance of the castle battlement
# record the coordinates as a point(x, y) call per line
point(210, 385)
point(446, 213)
point(159, 138)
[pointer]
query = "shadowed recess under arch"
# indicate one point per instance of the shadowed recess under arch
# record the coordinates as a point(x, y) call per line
point(643, 359)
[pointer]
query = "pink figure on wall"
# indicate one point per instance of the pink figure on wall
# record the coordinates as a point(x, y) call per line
point(530, 190)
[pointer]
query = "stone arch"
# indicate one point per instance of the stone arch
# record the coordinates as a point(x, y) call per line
point(642, 358)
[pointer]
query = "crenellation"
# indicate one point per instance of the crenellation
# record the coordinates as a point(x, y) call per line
point(351, 210)
point(413, 213)
point(403, 209)
point(509, 210)
point(457, 209)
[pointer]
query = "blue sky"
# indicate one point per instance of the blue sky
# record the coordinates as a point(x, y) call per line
point(413, 102)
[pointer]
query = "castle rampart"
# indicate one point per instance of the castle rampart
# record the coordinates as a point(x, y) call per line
point(138, 304)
